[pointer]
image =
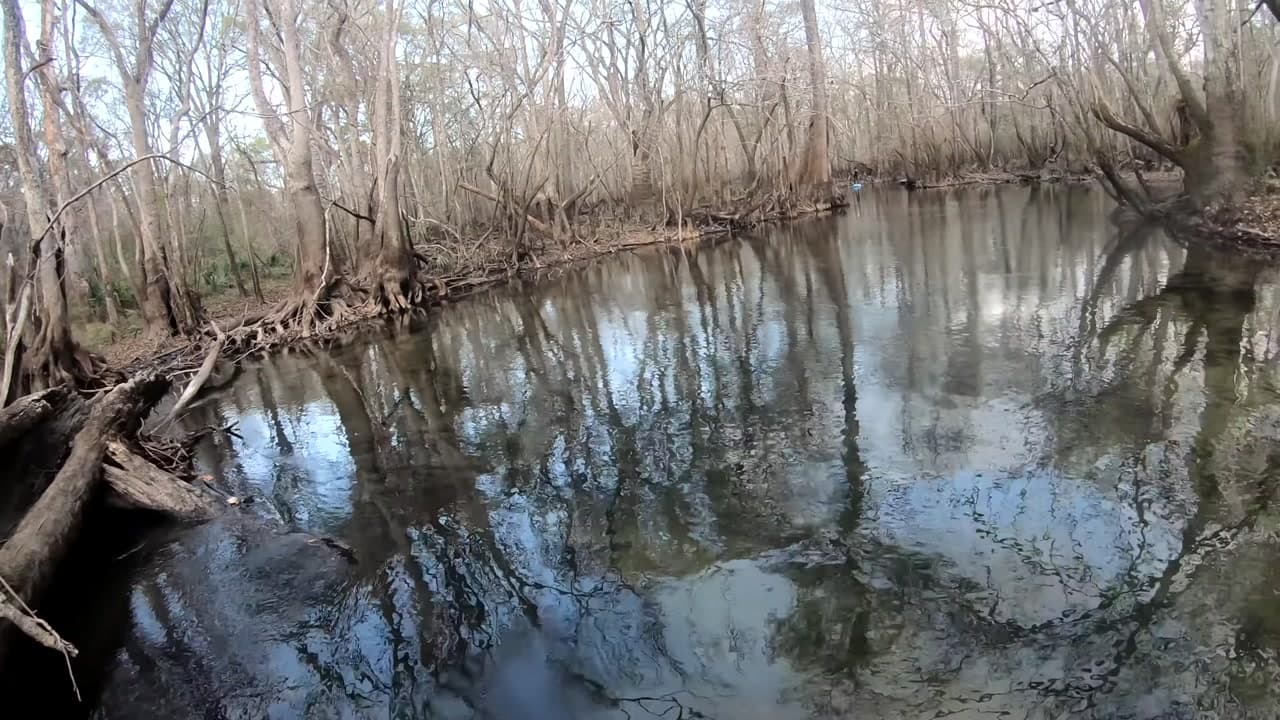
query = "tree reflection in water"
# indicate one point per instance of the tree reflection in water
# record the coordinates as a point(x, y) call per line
point(962, 454)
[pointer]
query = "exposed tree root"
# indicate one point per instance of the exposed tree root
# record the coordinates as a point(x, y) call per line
point(50, 360)
point(1219, 226)
point(398, 292)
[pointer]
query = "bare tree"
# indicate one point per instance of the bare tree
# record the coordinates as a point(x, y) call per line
point(321, 265)
point(814, 170)
point(567, 123)
point(168, 305)
point(48, 355)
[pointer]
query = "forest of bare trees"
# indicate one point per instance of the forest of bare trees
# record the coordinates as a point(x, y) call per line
point(165, 151)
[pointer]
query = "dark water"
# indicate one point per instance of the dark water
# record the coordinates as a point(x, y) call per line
point(968, 455)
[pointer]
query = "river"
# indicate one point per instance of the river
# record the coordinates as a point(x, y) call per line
point(967, 454)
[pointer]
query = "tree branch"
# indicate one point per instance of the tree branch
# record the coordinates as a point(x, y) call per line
point(53, 219)
point(1103, 112)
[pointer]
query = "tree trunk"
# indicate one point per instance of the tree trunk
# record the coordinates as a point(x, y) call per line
point(319, 261)
point(158, 295)
point(53, 356)
point(642, 191)
point(316, 257)
point(396, 286)
point(1215, 167)
point(813, 175)
point(104, 266)
point(53, 352)
point(221, 202)
point(168, 305)
point(253, 261)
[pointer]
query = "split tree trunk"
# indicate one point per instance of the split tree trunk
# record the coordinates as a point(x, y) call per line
point(320, 264)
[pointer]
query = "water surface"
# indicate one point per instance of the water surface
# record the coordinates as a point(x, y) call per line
point(973, 454)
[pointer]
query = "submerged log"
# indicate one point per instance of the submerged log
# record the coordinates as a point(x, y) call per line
point(44, 535)
point(25, 412)
point(140, 484)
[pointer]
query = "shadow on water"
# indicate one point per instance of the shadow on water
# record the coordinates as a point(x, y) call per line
point(952, 454)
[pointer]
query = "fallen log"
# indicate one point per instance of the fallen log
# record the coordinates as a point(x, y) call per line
point(25, 412)
point(44, 534)
point(140, 484)
point(31, 462)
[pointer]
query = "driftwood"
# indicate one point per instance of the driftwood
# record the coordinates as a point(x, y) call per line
point(44, 535)
point(206, 369)
point(18, 418)
point(140, 484)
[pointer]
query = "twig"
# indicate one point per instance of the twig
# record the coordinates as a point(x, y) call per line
point(26, 620)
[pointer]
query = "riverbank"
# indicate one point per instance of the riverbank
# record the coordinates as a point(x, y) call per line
point(1000, 177)
point(1250, 227)
point(455, 277)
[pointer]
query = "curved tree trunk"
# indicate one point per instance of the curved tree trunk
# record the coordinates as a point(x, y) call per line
point(321, 265)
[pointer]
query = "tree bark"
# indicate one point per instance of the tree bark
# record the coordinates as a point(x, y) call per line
point(104, 266)
point(52, 356)
point(319, 261)
point(397, 286)
point(24, 413)
point(140, 484)
point(814, 172)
